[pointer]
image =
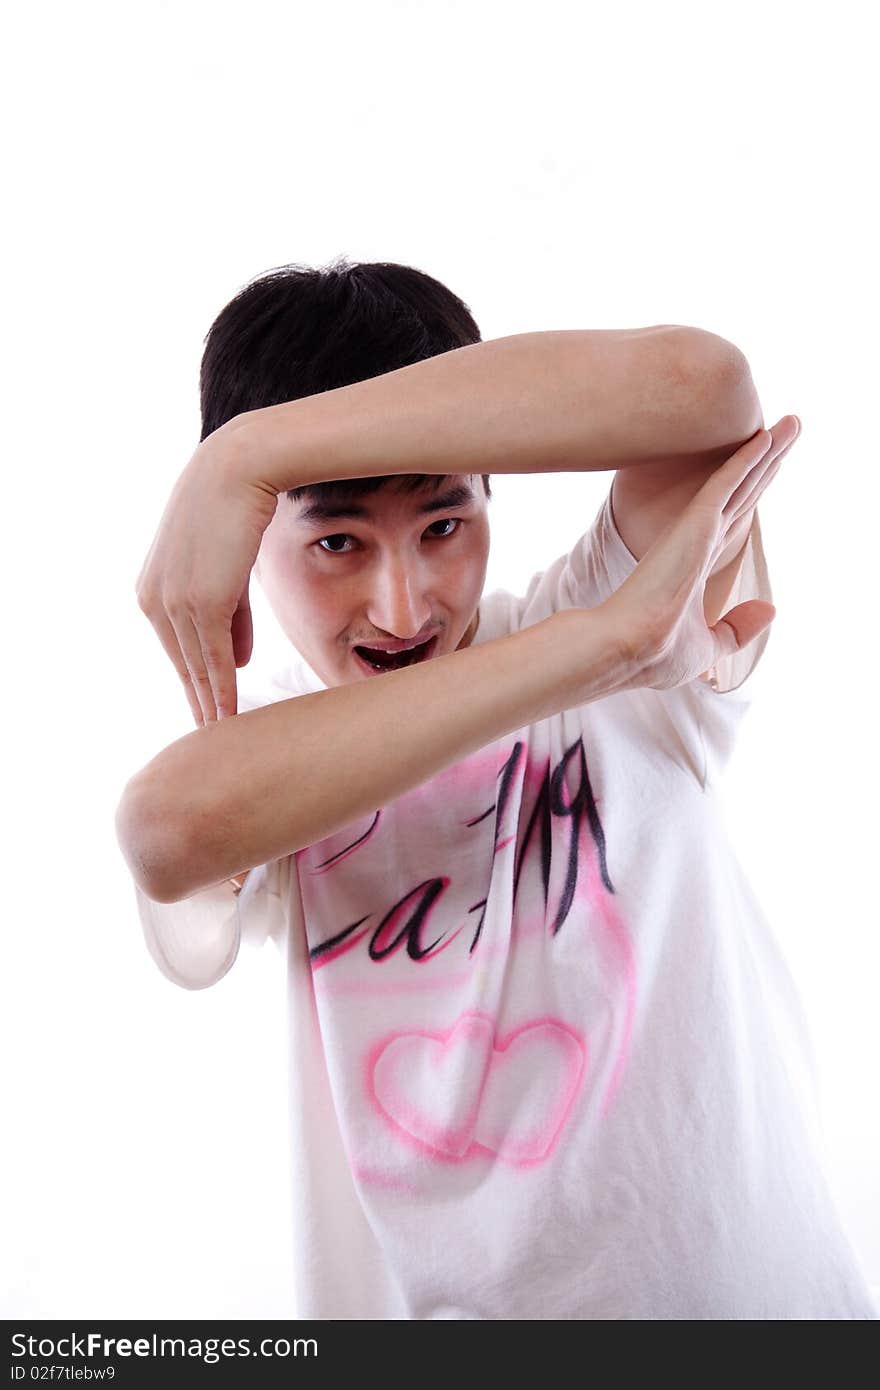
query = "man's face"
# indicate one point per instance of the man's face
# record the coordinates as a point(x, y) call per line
point(382, 569)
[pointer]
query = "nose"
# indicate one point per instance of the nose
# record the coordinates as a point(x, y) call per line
point(398, 602)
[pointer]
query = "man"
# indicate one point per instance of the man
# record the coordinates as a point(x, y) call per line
point(545, 1061)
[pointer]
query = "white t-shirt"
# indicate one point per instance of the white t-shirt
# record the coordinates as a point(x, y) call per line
point(546, 1058)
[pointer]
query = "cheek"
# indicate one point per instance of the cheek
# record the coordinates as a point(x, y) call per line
point(310, 597)
point(295, 590)
point(469, 570)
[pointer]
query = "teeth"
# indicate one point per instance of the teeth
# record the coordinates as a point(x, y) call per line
point(399, 651)
point(392, 660)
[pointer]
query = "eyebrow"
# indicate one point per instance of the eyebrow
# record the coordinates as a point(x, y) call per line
point(316, 513)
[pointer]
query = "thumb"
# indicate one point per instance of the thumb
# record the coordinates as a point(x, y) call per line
point(742, 625)
point(243, 631)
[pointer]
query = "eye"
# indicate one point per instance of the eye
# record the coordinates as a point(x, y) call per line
point(447, 521)
point(454, 521)
point(340, 537)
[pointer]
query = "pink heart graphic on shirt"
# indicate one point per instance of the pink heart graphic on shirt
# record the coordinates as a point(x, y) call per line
point(455, 1092)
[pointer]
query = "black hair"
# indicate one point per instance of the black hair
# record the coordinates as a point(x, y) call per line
point(294, 331)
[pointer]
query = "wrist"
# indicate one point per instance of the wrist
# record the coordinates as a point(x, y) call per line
point(243, 447)
point(597, 656)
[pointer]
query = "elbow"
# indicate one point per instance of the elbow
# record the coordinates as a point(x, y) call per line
point(711, 346)
point(717, 378)
point(149, 843)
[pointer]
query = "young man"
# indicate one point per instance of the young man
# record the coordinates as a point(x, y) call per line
point(546, 1060)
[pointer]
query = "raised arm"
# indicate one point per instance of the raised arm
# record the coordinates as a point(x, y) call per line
point(552, 402)
point(534, 402)
point(244, 791)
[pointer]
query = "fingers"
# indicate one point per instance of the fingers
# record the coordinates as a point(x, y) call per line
point(750, 499)
point(741, 626)
point(204, 658)
point(218, 652)
point(205, 664)
point(167, 635)
point(745, 497)
point(735, 479)
point(197, 673)
point(745, 463)
point(210, 664)
point(242, 633)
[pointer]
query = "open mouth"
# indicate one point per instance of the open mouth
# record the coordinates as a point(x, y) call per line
point(373, 661)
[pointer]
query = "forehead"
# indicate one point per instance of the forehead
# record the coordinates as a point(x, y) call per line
point(318, 511)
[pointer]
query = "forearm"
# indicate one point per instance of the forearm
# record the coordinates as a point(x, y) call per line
point(561, 401)
point(263, 784)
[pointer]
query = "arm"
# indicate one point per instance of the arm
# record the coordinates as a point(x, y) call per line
point(250, 789)
point(566, 401)
point(261, 785)
point(535, 402)
point(647, 498)
point(664, 406)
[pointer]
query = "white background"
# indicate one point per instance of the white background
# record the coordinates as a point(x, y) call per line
point(562, 165)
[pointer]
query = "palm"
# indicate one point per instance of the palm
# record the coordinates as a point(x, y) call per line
point(661, 605)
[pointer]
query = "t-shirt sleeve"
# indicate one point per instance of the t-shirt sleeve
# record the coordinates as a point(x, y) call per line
point(195, 942)
point(705, 716)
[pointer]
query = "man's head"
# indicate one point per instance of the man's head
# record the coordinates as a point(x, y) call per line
point(362, 561)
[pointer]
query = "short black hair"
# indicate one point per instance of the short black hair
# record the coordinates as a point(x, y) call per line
point(294, 331)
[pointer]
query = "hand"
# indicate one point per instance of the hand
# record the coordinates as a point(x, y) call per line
point(659, 608)
point(193, 585)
